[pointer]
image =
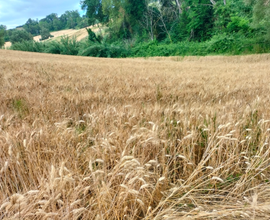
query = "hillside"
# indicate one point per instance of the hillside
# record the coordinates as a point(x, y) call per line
point(163, 138)
point(79, 34)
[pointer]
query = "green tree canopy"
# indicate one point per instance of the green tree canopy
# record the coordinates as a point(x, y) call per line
point(94, 11)
point(2, 37)
point(20, 36)
point(261, 15)
point(45, 34)
point(32, 26)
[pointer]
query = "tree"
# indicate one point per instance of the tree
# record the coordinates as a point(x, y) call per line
point(83, 23)
point(122, 17)
point(48, 21)
point(2, 38)
point(234, 16)
point(45, 34)
point(92, 36)
point(73, 18)
point(200, 14)
point(20, 35)
point(95, 11)
point(261, 15)
point(57, 25)
point(149, 21)
point(3, 29)
point(32, 26)
point(3, 34)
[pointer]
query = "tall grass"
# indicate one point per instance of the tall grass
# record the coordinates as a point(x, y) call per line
point(88, 138)
point(70, 46)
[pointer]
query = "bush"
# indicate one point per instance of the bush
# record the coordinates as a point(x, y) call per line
point(30, 46)
point(104, 50)
point(53, 47)
point(236, 44)
point(67, 46)
point(221, 43)
point(154, 48)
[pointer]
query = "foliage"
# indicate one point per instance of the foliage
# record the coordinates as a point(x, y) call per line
point(67, 46)
point(73, 19)
point(2, 38)
point(92, 36)
point(20, 36)
point(238, 24)
point(261, 15)
point(83, 23)
point(31, 46)
point(45, 34)
point(179, 49)
point(104, 50)
point(200, 15)
point(32, 26)
point(161, 28)
point(2, 35)
point(94, 11)
point(70, 46)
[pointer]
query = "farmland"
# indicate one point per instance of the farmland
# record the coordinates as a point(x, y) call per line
point(163, 138)
point(79, 34)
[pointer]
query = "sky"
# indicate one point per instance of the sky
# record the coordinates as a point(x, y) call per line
point(16, 12)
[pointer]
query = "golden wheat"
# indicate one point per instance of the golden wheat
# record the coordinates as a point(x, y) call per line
point(157, 138)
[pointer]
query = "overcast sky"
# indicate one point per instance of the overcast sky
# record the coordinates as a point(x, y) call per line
point(16, 12)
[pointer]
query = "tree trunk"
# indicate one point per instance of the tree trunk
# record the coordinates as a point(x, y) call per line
point(213, 2)
point(179, 6)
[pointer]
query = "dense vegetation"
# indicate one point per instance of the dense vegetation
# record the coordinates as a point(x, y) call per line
point(161, 28)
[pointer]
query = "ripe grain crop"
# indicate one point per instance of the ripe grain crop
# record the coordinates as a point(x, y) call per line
point(157, 138)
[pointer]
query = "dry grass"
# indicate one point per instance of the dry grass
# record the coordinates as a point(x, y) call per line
point(89, 138)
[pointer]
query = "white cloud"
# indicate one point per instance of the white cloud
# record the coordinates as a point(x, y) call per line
point(16, 12)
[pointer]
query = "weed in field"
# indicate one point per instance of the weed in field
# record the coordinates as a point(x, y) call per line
point(20, 107)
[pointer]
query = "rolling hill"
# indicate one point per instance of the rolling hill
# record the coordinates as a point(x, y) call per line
point(80, 34)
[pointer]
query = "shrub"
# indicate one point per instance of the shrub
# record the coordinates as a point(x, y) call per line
point(30, 46)
point(236, 44)
point(69, 46)
point(160, 49)
point(53, 47)
point(104, 50)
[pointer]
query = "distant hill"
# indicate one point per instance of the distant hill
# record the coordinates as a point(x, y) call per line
point(80, 34)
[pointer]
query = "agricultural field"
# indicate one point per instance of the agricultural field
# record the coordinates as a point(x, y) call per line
point(79, 34)
point(157, 138)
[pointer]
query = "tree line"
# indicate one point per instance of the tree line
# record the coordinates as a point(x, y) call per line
point(43, 27)
point(179, 20)
point(168, 27)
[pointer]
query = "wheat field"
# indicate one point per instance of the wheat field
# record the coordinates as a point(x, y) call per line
point(79, 34)
point(157, 138)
